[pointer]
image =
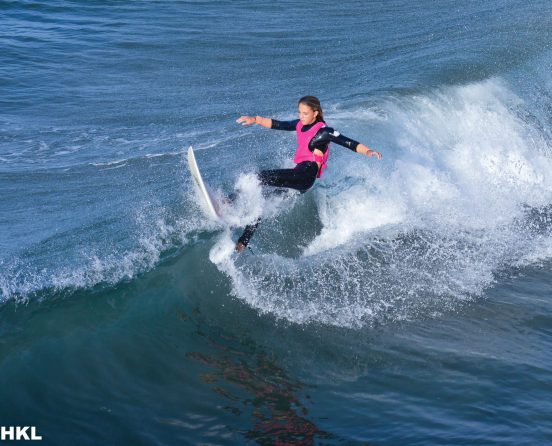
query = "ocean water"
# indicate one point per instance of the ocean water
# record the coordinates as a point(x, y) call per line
point(401, 302)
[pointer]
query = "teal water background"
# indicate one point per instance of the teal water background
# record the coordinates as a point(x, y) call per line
point(399, 302)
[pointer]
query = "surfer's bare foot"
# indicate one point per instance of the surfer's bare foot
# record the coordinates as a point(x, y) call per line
point(240, 247)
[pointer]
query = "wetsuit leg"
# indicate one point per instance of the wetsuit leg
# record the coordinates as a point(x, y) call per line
point(301, 178)
point(248, 232)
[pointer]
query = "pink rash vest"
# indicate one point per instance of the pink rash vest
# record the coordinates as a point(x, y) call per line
point(303, 153)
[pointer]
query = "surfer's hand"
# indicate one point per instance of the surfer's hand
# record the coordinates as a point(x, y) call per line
point(363, 150)
point(246, 120)
point(374, 153)
point(240, 247)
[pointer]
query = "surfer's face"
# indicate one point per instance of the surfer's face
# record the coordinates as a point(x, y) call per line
point(306, 114)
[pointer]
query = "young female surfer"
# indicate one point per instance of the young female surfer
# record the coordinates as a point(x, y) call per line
point(313, 148)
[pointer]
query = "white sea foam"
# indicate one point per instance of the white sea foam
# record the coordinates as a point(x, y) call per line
point(110, 163)
point(248, 203)
point(427, 228)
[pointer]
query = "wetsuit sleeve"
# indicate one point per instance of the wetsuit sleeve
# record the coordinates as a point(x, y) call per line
point(326, 135)
point(284, 125)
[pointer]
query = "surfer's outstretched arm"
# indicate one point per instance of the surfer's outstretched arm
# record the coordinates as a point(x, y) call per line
point(326, 135)
point(259, 120)
point(269, 123)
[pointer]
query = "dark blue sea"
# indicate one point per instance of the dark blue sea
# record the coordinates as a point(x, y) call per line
point(400, 302)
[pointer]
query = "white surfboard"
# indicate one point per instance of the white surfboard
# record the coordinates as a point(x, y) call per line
point(208, 201)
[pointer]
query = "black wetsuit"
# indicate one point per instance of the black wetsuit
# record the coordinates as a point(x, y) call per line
point(303, 175)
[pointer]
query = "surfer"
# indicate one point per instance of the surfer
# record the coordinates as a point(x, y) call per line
point(313, 148)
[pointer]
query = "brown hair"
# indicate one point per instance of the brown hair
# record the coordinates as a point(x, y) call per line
point(314, 103)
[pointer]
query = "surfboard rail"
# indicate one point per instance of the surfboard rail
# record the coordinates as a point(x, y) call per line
point(207, 197)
